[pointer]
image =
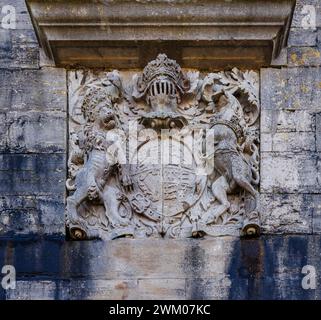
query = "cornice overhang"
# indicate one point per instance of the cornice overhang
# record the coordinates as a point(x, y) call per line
point(128, 33)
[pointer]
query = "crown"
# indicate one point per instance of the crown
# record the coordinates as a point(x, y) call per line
point(233, 124)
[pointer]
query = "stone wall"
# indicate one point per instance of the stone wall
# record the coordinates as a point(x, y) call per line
point(33, 149)
point(33, 103)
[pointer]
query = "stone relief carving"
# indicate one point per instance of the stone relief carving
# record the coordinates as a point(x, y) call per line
point(163, 153)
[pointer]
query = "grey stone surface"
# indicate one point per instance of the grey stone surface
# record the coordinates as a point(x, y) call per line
point(300, 13)
point(290, 173)
point(318, 131)
point(32, 290)
point(208, 288)
point(33, 131)
point(23, 215)
point(291, 89)
point(304, 56)
point(287, 213)
point(225, 268)
point(300, 37)
point(31, 174)
point(118, 289)
point(19, 47)
point(37, 90)
point(316, 219)
point(288, 142)
point(33, 104)
point(284, 121)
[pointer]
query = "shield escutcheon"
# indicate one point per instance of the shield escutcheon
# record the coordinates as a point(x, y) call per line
point(166, 174)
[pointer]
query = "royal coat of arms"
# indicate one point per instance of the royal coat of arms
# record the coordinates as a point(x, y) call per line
point(163, 153)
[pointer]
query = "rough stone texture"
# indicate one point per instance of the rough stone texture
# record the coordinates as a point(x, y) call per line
point(286, 120)
point(32, 193)
point(18, 47)
point(302, 38)
point(287, 213)
point(318, 131)
point(25, 174)
point(288, 142)
point(33, 90)
point(299, 12)
point(125, 269)
point(34, 131)
point(21, 215)
point(290, 173)
point(304, 56)
point(291, 89)
point(32, 135)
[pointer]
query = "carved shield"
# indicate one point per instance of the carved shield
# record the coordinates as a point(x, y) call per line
point(166, 174)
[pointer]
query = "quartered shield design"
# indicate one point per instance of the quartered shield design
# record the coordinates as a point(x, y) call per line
point(165, 175)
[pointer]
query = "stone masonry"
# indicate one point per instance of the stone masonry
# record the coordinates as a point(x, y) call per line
point(33, 170)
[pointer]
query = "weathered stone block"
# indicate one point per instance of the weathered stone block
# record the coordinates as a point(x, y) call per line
point(316, 215)
point(26, 215)
point(264, 268)
point(51, 211)
point(303, 11)
point(291, 89)
point(318, 131)
point(19, 49)
point(286, 213)
point(18, 215)
point(17, 222)
point(23, 20)
point(117, 289)
point(213, 288)
point(278, 120)
point(37, 132)
point(39, 90)
point(299, 37)
point(126, 259)
point(162, 289)
point(288, 142)
point(25, 174)
point(289, 173)
point(33, 290)
point(304, 56)
point(319, 37)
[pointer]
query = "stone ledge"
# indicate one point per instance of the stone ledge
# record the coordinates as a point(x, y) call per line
point(127, 34)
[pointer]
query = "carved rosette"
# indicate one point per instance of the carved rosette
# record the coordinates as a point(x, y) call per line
point(163, 153)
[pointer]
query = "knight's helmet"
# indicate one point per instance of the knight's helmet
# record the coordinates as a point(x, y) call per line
point(162, 83)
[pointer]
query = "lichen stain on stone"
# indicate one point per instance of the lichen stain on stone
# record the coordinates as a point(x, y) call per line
point(305, 89)
point(294, 57)
point(306, 57)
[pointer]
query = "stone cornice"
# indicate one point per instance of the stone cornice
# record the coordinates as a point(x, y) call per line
point(126, 34)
